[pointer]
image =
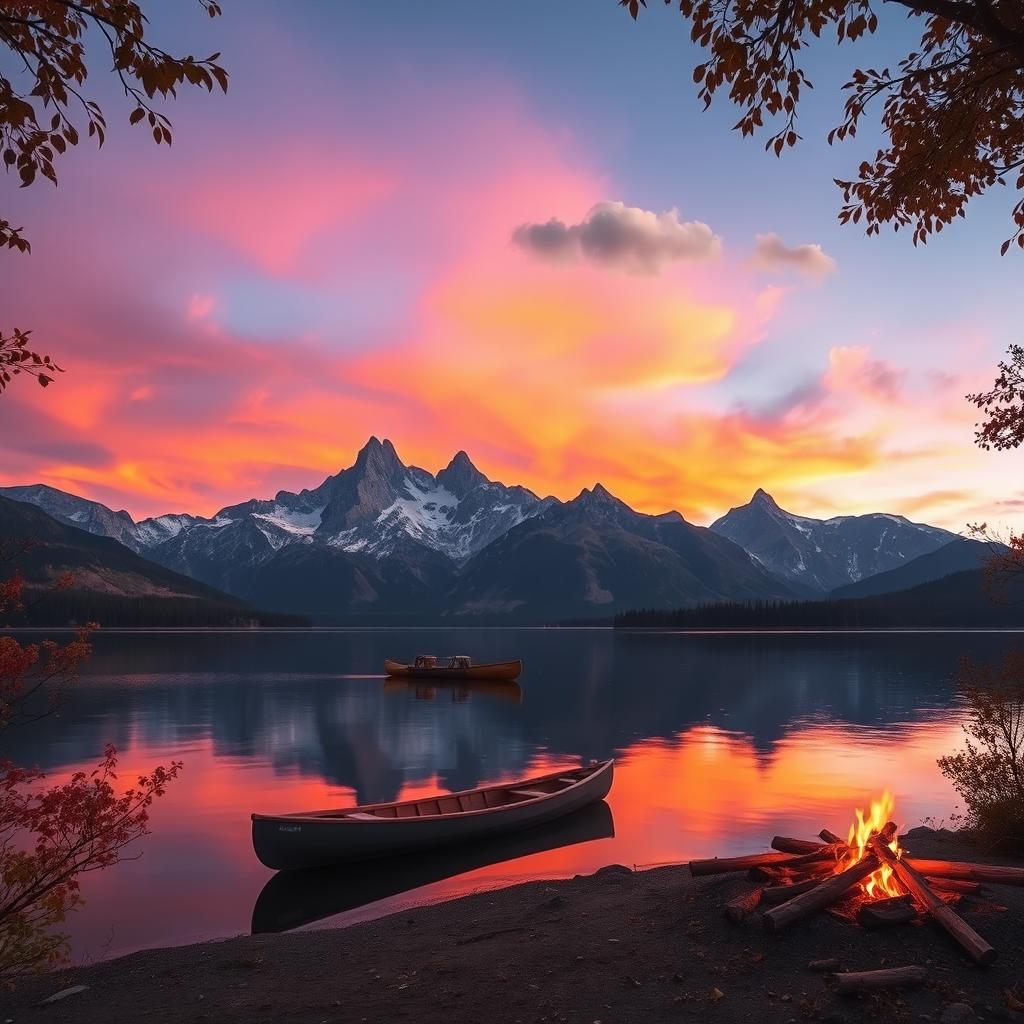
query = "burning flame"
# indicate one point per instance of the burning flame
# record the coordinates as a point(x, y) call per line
point(879, 884)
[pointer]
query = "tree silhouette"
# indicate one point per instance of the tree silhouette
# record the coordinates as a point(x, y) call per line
point(951, 110)
point(40, 107)
point(50, 837)
point(1003, 405)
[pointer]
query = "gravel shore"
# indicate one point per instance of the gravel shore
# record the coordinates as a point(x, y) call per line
point(616, 947)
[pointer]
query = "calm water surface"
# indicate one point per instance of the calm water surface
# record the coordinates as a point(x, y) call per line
point(721, 742)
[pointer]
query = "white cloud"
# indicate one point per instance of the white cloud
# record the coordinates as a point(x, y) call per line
point(621, 237)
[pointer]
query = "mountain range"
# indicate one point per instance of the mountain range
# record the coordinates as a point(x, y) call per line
point(819, 555)
point(385, 539)
point(112, 584)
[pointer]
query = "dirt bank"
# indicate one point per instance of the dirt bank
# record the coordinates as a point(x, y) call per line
point(614, 947)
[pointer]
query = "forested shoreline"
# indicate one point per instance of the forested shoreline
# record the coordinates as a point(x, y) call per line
point(955, 601)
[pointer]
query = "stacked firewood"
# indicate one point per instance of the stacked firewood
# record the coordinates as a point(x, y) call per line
point(804, 877)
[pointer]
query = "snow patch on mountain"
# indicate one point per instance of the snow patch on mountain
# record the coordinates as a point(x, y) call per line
point(824, 554)
point(150, 532)
point(294, 521)
point(427, 512)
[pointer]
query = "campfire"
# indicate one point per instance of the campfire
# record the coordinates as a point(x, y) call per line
point(864, 878)
point(881, 883)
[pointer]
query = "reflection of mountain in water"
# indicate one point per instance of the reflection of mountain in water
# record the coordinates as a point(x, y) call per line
point(279, 698)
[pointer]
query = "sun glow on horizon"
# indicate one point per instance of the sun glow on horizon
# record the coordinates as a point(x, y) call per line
point(369, 284)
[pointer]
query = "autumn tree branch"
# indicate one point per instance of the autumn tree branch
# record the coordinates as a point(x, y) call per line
point(953, 109)
point(36, 126)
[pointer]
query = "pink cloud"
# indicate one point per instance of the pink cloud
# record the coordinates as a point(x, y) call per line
point(201, 306)
point(852, 369)
point(272, 211)
point(200, 373)
point(772, 253)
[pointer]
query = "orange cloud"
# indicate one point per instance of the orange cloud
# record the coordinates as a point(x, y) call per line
point(296, 306)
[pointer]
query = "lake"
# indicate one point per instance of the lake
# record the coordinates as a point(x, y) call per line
point(721, 740)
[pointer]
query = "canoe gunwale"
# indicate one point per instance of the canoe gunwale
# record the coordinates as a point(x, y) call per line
point(337, 816)
point(317, 839)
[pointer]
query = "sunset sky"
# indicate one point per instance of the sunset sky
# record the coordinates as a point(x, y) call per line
point(505, 228)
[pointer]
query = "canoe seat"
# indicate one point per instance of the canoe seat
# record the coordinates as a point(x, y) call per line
point(572, 781)
point(528, 792)
point(363, 816)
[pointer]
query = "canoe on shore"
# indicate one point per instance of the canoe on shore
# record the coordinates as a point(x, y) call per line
point(496, 671)
point(321, 838)
point(291, 899)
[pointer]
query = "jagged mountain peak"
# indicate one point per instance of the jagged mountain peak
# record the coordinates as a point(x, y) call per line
point(37, 494)
point(379, 506)
point(595, 554)
point(81, 513)
point(763, 498)
point(823, 554)
point(598, 494)
point(460, 476)
point(598, 499)
point(379, 456)
point(379, 531)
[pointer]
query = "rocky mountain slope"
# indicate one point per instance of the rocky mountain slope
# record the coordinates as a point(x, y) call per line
point(959, 555)
point(111, 584)
point(86, 515)
point(594, 555)
point(820, 555)
point(385, 539)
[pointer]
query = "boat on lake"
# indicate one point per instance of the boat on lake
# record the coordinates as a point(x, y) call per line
point(291, 899)
point(458, 666)
point(321, 838)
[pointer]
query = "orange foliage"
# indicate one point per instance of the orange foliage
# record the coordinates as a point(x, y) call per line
point(1003, 404)
point(951, 109)
point(988, 772)
point(48, 40)
point(1004, 570)
point(50, 837)
point(17, 358)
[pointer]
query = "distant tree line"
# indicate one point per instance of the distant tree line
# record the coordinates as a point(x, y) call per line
point(955, 601)
point(75, 608)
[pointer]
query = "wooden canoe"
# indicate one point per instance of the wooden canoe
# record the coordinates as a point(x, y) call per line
point(496, 671)
point(320, 838)
point(291, 899)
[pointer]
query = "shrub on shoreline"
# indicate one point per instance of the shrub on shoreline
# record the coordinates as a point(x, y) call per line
point(988, 772)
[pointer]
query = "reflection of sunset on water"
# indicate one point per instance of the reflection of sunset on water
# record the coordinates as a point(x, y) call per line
point(703, 793)
point(721, 742)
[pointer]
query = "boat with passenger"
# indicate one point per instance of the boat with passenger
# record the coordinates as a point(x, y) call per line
point(458, 666)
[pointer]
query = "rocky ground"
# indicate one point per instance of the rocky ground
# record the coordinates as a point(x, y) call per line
point(614, 947)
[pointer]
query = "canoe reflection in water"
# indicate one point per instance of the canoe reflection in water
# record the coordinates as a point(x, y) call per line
point(460, 691)
point(294, 898)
